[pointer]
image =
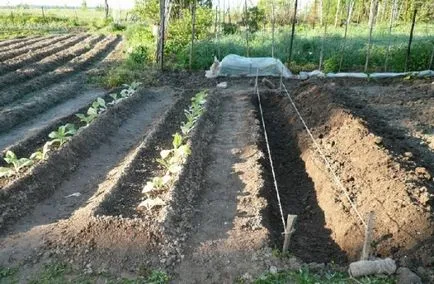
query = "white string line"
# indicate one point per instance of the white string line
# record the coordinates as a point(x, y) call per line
point(269, 153)
point(328, 165)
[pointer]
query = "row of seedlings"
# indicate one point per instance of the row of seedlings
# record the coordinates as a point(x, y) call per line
point(16, 166)
point(173, 160)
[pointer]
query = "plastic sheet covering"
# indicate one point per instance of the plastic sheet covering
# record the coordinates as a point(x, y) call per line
point(238, 66)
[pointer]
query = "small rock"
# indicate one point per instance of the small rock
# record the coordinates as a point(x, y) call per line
point(406, 276)
point(378, 140)
point(408, 154)
point(268, 83)
point(273, 269)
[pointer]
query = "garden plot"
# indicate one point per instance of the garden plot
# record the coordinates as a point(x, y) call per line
point(73, 66)
point(8, 54)
point(211, 214)
point(12, 44)
point(48, 63)
point(38, 54)
point(376, 177)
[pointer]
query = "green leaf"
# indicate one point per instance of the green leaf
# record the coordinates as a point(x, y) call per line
point(6, 172)
point(92, 111)
point(151, 203)
point(177, 140)
point(165, 153)
point(101, 102)
point(10, 157)
point(149, 187)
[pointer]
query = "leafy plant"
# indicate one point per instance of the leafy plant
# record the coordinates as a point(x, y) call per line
point(42, 154)
point(16, 164)
point(63, 134)
point(172, 160)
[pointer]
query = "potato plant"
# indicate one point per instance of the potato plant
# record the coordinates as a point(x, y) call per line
point(172, 160)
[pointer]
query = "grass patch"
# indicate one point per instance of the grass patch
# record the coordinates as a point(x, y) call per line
point(305, 276)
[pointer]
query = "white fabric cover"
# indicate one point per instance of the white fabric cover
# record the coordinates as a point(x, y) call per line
point(238, 66)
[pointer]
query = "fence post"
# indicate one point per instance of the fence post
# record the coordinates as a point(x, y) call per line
point(407, 58)
point(343, 47)
point(392, 19)
point(372, 14)
point(294, 19)
point(273, 19)
point(193, 31)
point(321, 53)
point(246, 23)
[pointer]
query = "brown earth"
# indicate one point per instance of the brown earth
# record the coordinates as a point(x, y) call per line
point(221, 219)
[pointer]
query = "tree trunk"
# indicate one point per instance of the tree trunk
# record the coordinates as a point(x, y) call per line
point(372, 13)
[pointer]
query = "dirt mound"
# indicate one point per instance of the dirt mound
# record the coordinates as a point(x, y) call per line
point(373, 179)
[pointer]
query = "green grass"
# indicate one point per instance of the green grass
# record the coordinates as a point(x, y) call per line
point(23, 22)
point(307, 45)
point(304, 276)
point(59, 272)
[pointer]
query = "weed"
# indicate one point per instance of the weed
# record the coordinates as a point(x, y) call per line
point(158, 277)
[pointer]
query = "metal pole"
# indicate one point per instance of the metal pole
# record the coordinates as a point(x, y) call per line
point(321, 55)
point(372, 14)
point(407, 58)
point(193, 23)
point(343, 46)
point(392, 19)
point(294, 19)
point(272, 29)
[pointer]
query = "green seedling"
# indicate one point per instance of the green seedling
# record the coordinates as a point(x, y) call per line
point(42, 154)
point(99, 105)
point(15, 163)
point(63, 134)
point(150, 203)
point(116, 99)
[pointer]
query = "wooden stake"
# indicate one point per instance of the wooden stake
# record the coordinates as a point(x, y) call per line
point(366, 252)
point(288, 231)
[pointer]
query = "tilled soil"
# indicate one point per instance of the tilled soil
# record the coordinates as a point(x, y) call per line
point(4, 55)
point(312, 240)
point(375, 178)
point(77, 64)
point(227, 230)
point(38, 54)
point(92, 167)
point(22, 42)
